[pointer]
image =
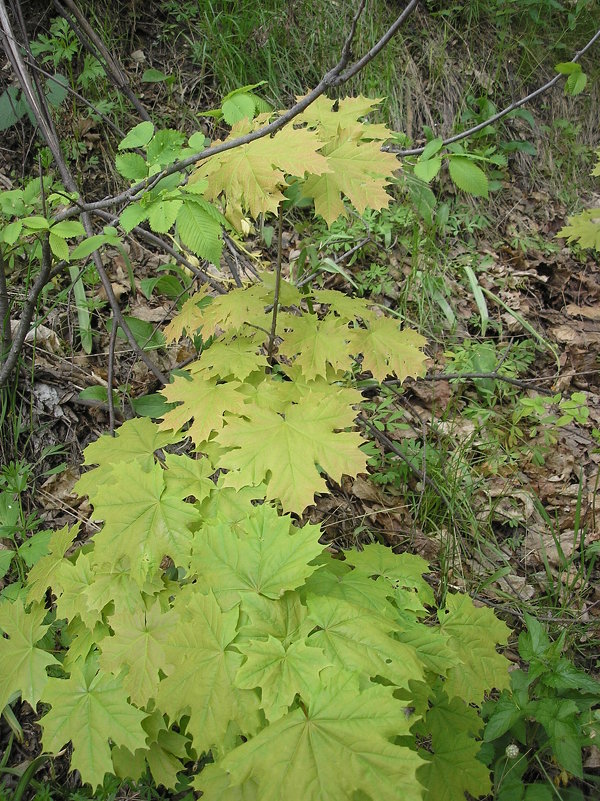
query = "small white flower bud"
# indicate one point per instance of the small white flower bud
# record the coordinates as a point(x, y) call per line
point(512, 751)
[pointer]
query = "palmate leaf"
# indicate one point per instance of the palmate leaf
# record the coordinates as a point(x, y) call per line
point(285, 451)
point(232, 311)
point(42, 573)
point(143, 521)
point(22, 664)
point(357, 639)
point(453, 769)
point(90, 709)
point(203, 400)
point(359, 171)
point(139, 644)
point(387, 350)
point(402, 570)
point(201, 680)
point(335, 747)
point(472, 634)
point(266, 558)
point(330, 116)
point(254, 174)
point(189, 319)
point(280, 672)
point(583, 228)
point(235, 359)
point(316, 344)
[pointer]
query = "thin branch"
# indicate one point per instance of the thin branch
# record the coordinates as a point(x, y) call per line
point(110, 376)
point(273, 331)
point(494, 376)
point(5, 328)
point(92, 42)
point(416, 151)
point(333, 78)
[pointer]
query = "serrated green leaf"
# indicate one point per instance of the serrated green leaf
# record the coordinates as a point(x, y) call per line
point(59, 247)
point(131, 166)
point(165, 147)
point(576, 83)
point(90, 709)
point(162, 215)
point(335, 747)
point(22, 664)
point(68, 228)
point(387, 350)
point(199, 231)
point(132, 216)
point(583, 228)
point(238, 107)
point(138, 136)
point(42, 574)
point(468, 176)
point(427, 170)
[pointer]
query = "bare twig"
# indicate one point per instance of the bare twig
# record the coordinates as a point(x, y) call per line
point(271, 346)
point(416, 151)
point(92, 42)
point(334, 77)
point(110, 376)
point(5, 328)
point(494, 376)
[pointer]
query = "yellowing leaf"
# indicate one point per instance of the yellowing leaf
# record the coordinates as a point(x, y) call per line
point(339, 745)
point(583, 228)
point(360, 171)
point(136, 439)
point(267, 558)
point(41, 574)
point(186, 476)
point(357, 639)
point(188, 319)
point(22, 664)
point(330, 116)
point(142, 522)
point(386, 350)
point(316, 343)
point(201, 680)
point(90, 709)
point(254, 174)
point(285, 451)
point(233, 310)
point(348, 309)
point(204, 401)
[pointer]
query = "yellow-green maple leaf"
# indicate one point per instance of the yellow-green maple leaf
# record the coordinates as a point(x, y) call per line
point(204, 401)
point(90, 709)
point(139, 643)
point(22, 664)
point(285, 451)
point(338, 745)
point(316, 343)
point(387, 350)
point(189, 318)
point(143, 521)
point(231, 311)
point(254, 174)
point(201, 680)
point(358, 170)
point(330, 116)
point(42, 574)
point(349, 309)
point(236, 359)
point(583, 228)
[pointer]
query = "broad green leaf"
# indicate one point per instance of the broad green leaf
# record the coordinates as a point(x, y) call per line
point(432, 148)
point(454, 769)
point(41, 575)
point(143, 521)
point(403, 570)
point(201, 680)
point(387, 350)
point(71, 583)
point(90, 709)
point(468, 176)
point(559, 717)
point(114, 585)
point(200, 231)
point(139, 644)
point(22, 665)
point(347, 308)
point(472, 634)
point(68, 228)
point(267, 557)
point(280, 672)
point(232, 311)
point(131, 166)
point(165, 147)
point(162, 215)
point(427, 170)
point(284, 618)
point(288, 452)
point(338, 745)
point(133, 215)
point(186, 476)
point(354, 588)
point(138, 136)
point(357, 639)
point(237, 107)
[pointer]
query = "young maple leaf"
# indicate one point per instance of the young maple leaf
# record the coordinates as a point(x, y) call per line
point(338, 745)
point(235, 359)
point(472, 634)
point(386, 350)
point(358, 170)
point(90, 709)
point(285, 451)
point(22, 665)
point(316, 343)
point(189, 319)
point(42, 573)
point(331, 116)
point(254, 174)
